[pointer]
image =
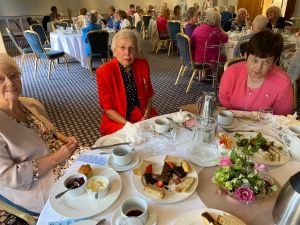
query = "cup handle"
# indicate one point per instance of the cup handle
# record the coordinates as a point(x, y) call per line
point(284, 139)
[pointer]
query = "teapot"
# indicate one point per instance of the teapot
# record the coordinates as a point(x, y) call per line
point(207, 106)
point(286, 208)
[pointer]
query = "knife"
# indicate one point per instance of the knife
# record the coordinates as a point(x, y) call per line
point(108, 146)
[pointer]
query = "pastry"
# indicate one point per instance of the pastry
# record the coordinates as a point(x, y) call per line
point(185, 184)
point(228, 219)
point(86, 170)
point(140, 169)
point(178, 170)
point(154, 191)
point(176, 161)
point(208, 219)
point(186, 167)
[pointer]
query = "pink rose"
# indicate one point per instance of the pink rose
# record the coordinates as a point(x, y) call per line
point(225, 161)
point(261, 168)
point(244, 194)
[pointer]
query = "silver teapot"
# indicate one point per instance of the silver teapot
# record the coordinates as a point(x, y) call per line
point(207, 106)
point(287, 206)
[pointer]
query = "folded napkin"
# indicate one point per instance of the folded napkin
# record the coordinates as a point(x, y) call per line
point(286, 121)
point(131, 133)
point(66, 221)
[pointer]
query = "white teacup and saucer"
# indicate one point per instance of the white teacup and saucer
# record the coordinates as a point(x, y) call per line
point(288, 132)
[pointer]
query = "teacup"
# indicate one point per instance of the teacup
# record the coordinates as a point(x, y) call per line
point(225, 117)
point(290, 131)
point(134, 211)
point(294, 146)
point(161, 125)
point(122, 155)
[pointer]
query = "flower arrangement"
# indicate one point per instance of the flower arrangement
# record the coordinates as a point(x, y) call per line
point(242, 178)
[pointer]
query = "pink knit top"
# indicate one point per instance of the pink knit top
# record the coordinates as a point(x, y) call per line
point(276, 91)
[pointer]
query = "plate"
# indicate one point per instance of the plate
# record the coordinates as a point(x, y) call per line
point(86, 222)
point(284, 153)
point(152, 217)
point(170, 197)
point(85, 205)
point(134, 162)
point(195, 218)
point(109, 140)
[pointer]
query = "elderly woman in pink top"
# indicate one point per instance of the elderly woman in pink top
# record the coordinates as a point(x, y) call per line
point(258, 82)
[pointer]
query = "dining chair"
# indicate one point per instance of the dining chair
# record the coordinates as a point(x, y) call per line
point(174, 28)
point(98, 42)
point(139, 26)
point(31, 21)
point(40, 53)
point(185, 51)
point(243, 47)
point(43, 37)
point(146, 21)
point(233, 61)
point(14, 24)
point(23, 51)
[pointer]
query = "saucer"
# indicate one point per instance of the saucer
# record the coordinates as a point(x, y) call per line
point(132, 164)
point(86, 222)
point(152, 217)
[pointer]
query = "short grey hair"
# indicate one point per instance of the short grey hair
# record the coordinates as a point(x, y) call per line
point(192, 11)
point(212, 17)
point(259, 23)
point(126, 33)
point(6, 62)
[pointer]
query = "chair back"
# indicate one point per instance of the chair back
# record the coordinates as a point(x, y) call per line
point(31, 21)
point(174, 29)
point(13, 39)
point(243, 47)
point(40, 31)
point(233, 61)
point(184, 46)
point(98, 41)
point(14, 24)
point(288, 23)
point(34, 41)
point(212, 48)
point(146, 21)
point(46, 19)
point(139, 26)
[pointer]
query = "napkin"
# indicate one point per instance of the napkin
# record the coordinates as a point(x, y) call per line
point(66, 221)
point(132, 133)
point(286, 121)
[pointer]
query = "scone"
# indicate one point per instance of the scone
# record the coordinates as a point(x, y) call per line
point(154, 191)
point(86, 170)
point(140, 169)
point(185, 184)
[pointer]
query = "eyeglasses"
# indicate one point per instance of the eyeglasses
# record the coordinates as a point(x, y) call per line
point(12, 76)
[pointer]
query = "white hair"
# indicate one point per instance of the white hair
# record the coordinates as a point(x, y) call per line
point(6, 62)
point(212, 17)
point(126, 33)
point(259, 23)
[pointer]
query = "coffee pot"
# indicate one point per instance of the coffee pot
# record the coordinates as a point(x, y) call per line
point(287, 205)
point(207, 106)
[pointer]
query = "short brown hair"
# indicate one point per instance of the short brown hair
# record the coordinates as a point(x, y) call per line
point(165, 12)
point(265, 44)
point(122, 14)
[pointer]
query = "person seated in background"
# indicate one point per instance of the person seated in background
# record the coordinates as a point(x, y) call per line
point(162, 22)
point(209, 33)
point(111, 19)
point(226, 18)
point(124, 22)
point(117, 21)
point(294, 67)
point(192, 16)
point(33, 154)
point(131, 10)
point(241, 21)
point(54, 15)
point(258, 82)
point(259, 23)
point(124, 85)
point(207, 4)
point(138, 15)
point(275, 18)
point(150, 10)
point(100, 19)
point(91, 20)
point(81, 18)
point(176, 13)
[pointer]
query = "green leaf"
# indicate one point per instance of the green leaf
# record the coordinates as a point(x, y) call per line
point(233, 155)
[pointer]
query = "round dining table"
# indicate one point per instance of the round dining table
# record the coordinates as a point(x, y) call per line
point(178, 145)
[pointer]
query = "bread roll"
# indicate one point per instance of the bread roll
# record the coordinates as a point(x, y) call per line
point(86, 170)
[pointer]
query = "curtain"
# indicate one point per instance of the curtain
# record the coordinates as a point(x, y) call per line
point(290, 7)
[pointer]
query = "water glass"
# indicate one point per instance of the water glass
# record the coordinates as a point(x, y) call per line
point(265, 115)
point(146, 131)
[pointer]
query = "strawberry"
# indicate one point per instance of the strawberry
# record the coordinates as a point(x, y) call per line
point(149, 169)
point(159, 184)
point(170, 164)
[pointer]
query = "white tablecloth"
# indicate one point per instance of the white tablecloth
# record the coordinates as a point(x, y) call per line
point(73, 45)
point(166, 214)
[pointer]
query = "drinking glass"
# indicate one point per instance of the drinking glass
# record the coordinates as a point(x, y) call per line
point(265, 115)
point(147, 131)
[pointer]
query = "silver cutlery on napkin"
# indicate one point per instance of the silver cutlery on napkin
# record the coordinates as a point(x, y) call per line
point(108, 146)
point(179, 124)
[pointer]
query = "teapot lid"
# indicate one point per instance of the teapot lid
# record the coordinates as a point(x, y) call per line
point(295, 182)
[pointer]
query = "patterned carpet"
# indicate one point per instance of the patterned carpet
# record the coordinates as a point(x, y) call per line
point(72, 100)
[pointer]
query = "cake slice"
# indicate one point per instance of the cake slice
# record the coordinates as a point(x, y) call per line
point(174, 160)
point(154, 191)
point(141, 168)
point(185, 184)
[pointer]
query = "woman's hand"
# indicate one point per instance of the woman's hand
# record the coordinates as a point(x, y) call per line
point(64, 152)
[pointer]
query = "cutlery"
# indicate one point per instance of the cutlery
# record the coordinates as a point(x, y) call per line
point(179, 124)
point(108, 146)
point(75, 185)
point(228, 130)
point(101, 222)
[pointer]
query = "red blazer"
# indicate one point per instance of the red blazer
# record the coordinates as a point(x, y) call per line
point(112, 94)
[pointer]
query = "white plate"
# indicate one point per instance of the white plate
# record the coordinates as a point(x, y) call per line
point(152, 217)
point(132, 164)
point(109, 140)
point(170, 197)
point(86, 222)
point(285, 155)
point(194, 217)
point(85, 205)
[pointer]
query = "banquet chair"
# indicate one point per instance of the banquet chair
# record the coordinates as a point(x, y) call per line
point(43, 37)
point(185, 51)
point(288, 23)
point(146, 21)
point(174, 28)
point(46, 19)
point(98, 42)
point(233, 61)
point(243, 47)
point(40, 52)
point(139, 26)
point(31, 21)
point(14, 24)
point(23, 51)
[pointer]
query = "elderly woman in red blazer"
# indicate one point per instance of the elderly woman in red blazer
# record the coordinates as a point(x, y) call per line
point(124, 85)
